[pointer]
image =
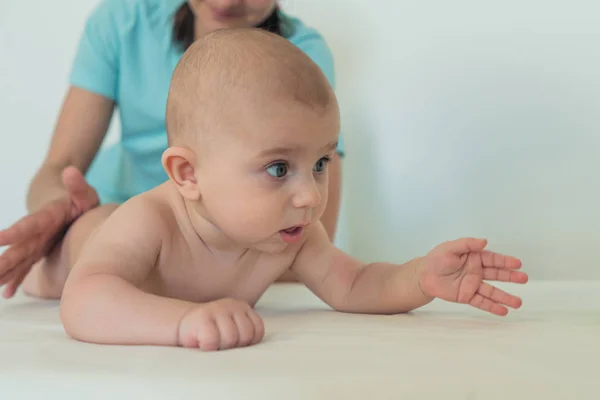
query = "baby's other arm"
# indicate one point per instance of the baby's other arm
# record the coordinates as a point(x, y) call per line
point(102, 302)
point(348, 285)
point(454, 271)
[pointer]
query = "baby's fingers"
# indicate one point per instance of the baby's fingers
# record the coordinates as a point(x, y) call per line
point(488, 305)
point(245, 328)
point(462, 246)
point(499, 296)
point(228, 331)
point(504, 275)
point(207, 336)
point(495, 260)
point(259, 327)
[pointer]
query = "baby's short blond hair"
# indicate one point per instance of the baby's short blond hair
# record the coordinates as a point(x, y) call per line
point(239, 62)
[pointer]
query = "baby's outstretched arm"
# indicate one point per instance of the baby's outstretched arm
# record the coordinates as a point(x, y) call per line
point(454, 271)
point(102, 301)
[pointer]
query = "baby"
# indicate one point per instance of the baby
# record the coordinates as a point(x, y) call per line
point(252, 124)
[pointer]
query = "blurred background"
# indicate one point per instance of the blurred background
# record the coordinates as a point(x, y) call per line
point(468, 117)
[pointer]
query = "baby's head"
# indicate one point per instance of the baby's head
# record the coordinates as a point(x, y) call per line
point(252, 123)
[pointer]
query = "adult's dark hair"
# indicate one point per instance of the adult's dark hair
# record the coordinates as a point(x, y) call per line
point(183, 26)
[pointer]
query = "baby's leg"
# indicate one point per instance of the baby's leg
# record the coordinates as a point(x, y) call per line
point(48, 276)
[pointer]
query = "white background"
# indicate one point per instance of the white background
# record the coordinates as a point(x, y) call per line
point(460, 118)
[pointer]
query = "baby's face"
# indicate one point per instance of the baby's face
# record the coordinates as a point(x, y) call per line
point(264, 179)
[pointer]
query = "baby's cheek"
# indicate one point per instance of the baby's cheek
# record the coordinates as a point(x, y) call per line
point(247, 212)
point(320, 209)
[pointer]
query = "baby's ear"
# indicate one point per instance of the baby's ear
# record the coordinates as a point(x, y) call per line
point(180, 165)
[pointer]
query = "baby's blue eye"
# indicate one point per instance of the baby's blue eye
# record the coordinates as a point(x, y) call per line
point(321, 164)
point(278, 170)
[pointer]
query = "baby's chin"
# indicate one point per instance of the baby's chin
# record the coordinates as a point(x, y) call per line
point(273, 244)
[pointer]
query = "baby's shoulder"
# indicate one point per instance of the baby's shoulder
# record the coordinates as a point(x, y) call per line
point(148, 212)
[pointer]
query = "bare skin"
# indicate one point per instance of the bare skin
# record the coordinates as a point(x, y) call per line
point(174, 262)
point(59, 193)
point(81, 127)
point(40, 235)
point(147, 273)
point(185, 263)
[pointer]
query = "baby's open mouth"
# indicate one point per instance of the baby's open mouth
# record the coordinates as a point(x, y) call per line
point(293, 230)
point(291, 235)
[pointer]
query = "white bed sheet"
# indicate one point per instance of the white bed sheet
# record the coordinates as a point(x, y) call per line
point(547, 350)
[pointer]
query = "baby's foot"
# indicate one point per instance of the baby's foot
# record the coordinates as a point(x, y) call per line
point(34, 236)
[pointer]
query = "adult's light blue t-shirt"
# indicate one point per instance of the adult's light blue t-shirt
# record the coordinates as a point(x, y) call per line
point(127, 54)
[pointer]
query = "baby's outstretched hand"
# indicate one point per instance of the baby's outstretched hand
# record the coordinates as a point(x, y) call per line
point(221, 324)
point(455, 271)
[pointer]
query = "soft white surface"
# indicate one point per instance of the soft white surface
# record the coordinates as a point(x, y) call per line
point(547, 350)
point(462, 117)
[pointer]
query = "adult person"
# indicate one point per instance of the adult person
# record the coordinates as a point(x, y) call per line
point(125, 59)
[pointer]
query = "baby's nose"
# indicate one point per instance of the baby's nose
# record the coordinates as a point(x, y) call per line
point(308, 196)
